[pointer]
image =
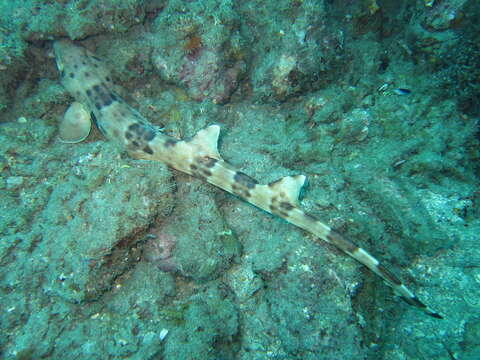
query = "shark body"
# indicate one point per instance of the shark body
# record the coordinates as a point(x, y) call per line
point(86, 79)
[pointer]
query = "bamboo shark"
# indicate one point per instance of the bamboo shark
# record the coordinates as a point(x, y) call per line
point(86, 79)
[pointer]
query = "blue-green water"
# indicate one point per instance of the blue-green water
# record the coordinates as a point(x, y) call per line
point(376, 102)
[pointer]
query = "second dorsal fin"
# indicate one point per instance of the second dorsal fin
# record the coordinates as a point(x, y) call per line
point(206, 140)
point(289, 187)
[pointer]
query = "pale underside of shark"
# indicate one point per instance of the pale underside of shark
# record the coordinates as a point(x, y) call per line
point(85, 78)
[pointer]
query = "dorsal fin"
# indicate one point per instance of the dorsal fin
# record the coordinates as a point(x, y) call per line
point(289, 187)
point(206, 141)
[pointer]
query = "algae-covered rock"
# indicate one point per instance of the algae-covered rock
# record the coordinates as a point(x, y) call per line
point(106, 257)
point(210, 325)
point(209, 247)
point(207, 61)
point(89, 243)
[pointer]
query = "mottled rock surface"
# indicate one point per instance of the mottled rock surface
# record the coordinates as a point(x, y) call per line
point(376, 102)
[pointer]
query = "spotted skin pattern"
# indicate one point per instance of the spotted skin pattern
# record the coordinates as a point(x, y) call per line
point(84, 76)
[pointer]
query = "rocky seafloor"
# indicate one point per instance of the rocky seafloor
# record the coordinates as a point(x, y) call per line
point(376, 102)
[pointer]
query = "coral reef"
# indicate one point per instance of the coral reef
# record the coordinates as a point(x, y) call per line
point(106, 257)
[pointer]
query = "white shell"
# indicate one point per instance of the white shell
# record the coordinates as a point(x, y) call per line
point(75, 125)
point(163, 334)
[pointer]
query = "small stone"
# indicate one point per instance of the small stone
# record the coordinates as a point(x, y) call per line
point(14, 182)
